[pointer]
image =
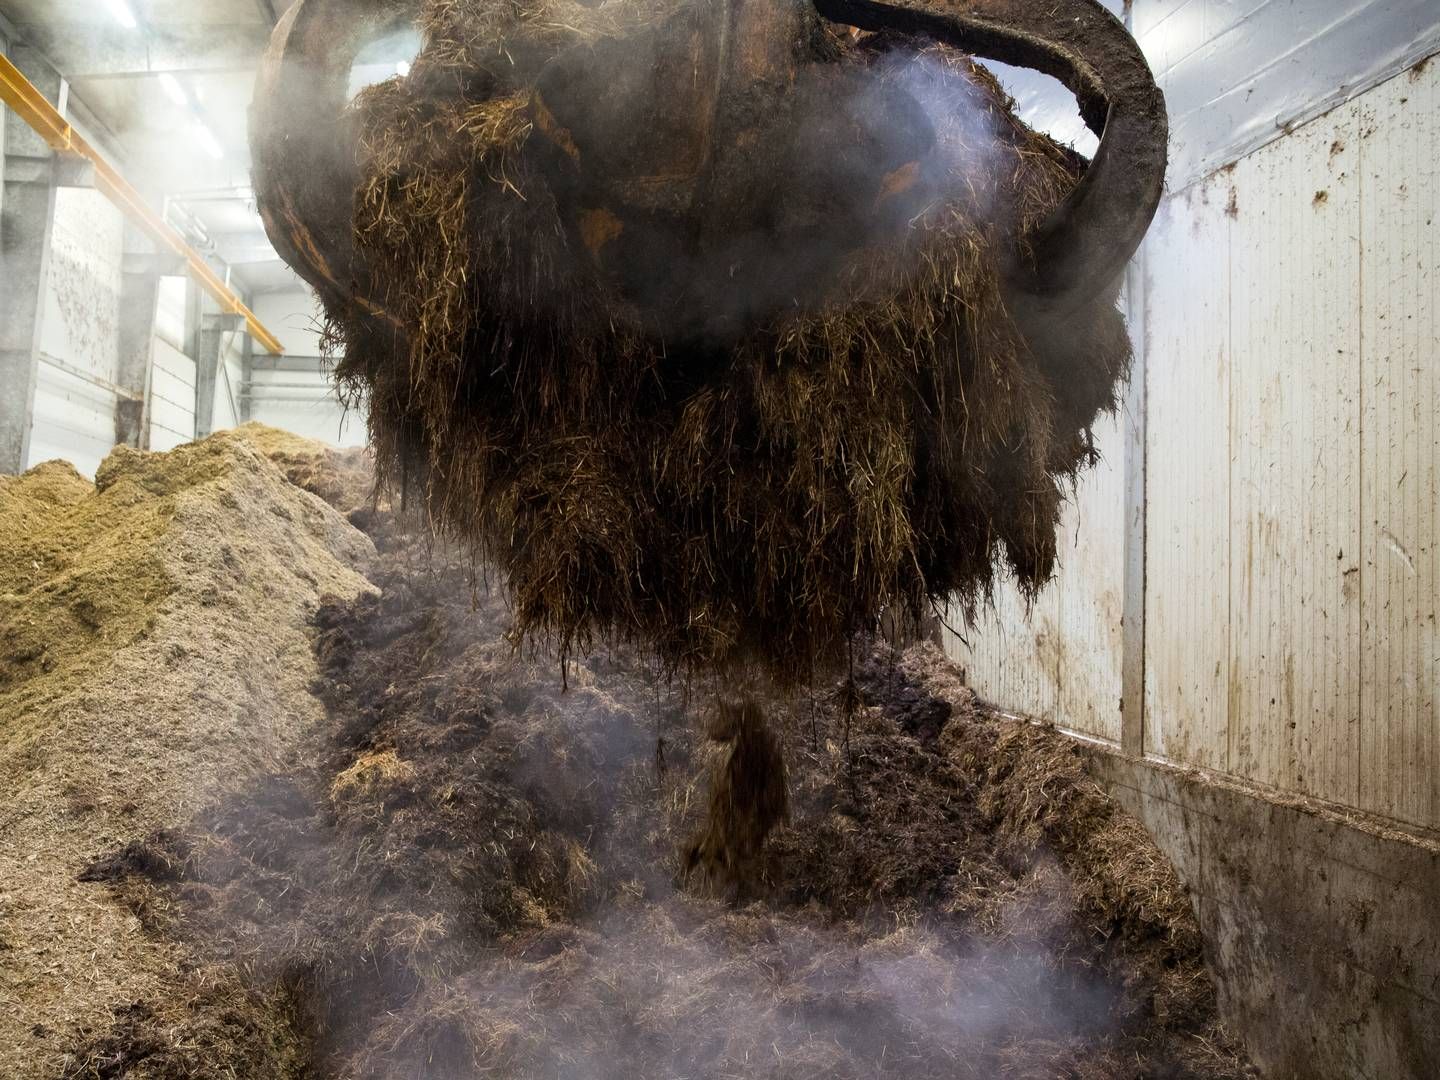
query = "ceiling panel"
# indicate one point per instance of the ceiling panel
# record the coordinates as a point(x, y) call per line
point(1240, 73)
point(82, 37)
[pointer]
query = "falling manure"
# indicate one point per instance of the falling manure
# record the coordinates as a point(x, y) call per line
point(733, 477)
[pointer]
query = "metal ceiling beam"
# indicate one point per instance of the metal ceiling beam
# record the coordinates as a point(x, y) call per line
point(33, 107)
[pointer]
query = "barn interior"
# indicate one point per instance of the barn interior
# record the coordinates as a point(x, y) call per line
point(660, 538)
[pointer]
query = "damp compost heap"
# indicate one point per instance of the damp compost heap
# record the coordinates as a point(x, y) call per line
point(727, 475)
point(396, 847)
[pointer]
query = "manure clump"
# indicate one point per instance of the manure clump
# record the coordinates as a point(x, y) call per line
point(871, 429)
point(748, 796)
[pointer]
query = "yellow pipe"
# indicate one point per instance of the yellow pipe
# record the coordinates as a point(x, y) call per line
point(32, 106)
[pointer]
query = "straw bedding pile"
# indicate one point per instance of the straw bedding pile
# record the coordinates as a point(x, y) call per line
point(468, 870)
point(154, 652)
point(731, 480)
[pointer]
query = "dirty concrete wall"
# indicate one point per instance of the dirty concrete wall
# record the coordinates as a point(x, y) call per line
point(74, 415)
point(1321, 926)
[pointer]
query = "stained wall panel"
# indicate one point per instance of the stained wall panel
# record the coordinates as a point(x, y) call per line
point(75, 418)
point(1292, 461)
point(1295, 462)
point(1187, 350)
point(1091, 588)
point(82, 298)
point(1398, 564)
point(1013, 654)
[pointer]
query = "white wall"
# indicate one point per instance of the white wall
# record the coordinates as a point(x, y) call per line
point(1060, 658)
point(75, 417)
point(172, 397)
point(1292, 460)
point(294, 317)
point(75, 399)
point(230, 383)
point(296, 394)
point(172, 373)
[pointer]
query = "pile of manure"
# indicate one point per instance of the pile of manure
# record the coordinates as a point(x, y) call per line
point(643, 450)
point(476, 866)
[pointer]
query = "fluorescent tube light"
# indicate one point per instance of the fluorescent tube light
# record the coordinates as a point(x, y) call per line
point(172, 87)
point(121, 10)
point(208, 141)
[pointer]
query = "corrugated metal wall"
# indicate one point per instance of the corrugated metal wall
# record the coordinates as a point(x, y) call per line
point(1187, 480)
point(1398, 570)
point(1291, 463)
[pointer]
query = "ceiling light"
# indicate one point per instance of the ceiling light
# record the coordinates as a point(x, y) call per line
point(208, 141)
point(121, 10)
point(402, 68)
point(172, 87)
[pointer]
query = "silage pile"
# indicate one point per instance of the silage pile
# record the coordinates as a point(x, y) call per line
point(737, 452)
point(470, 870)
point(154, 654)
point(344, 479)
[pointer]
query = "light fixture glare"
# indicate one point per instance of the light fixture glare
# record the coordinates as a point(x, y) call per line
point(173, 89)
point(123, 15)
point(208, 141)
